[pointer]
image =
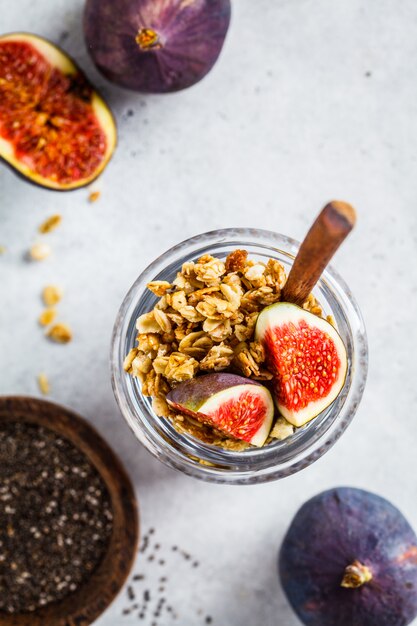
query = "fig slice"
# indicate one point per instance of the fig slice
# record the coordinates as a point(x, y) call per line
point(237, 406)
point(55, 130)
point(307, 358)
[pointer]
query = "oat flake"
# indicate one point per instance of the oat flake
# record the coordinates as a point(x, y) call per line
point(50, 224)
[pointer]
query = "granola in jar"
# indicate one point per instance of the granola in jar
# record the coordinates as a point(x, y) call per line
point(204, 322)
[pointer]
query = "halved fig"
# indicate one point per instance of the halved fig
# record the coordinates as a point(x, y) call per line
point(307, 357)
point(55, 129)
point(237, 406)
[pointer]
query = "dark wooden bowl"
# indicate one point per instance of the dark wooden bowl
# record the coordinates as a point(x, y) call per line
point(83, 606)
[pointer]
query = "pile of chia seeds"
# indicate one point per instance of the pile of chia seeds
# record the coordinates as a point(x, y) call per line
point(55, 517)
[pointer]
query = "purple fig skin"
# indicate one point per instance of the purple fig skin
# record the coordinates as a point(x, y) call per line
point(190, 33)
point(330, 532)
point(193, 393)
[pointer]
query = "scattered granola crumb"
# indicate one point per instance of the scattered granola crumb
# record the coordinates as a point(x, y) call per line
point(50, 224)
point(94, 196)
point(39, 251)
point(47, 316)
point(60, 333)
point(43, 383)
point(51, 295)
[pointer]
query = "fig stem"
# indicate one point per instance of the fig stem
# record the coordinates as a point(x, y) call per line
point(328, 231)
point(148, 39)
point(356, 575)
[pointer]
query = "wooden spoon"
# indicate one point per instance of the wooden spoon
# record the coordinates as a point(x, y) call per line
point(329, 230)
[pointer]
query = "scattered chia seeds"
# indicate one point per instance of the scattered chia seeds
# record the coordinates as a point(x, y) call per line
point(130, 593)
point(55, 517)
point(158, 590)
point(145, 544)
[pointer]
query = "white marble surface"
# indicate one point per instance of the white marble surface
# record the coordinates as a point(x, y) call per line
point(311, 100)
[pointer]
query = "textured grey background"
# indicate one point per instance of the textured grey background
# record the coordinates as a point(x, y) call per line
point(310, 100)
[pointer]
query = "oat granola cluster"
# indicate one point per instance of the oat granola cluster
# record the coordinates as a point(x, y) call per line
point(205, 322)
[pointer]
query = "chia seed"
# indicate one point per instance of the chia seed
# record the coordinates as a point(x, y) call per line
point(130, 593)
point(55, 517)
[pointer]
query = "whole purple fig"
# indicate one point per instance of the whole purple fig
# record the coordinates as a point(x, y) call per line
point(156, 46)
point(350, 559)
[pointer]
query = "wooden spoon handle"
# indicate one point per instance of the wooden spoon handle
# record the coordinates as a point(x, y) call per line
point(329, 230)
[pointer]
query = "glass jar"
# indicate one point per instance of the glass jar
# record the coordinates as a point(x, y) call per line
point(279, 458)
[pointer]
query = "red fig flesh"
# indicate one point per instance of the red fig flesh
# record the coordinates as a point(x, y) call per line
point(156, 46)
point(307, 357)
point(55, 130)
point(237, 406)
